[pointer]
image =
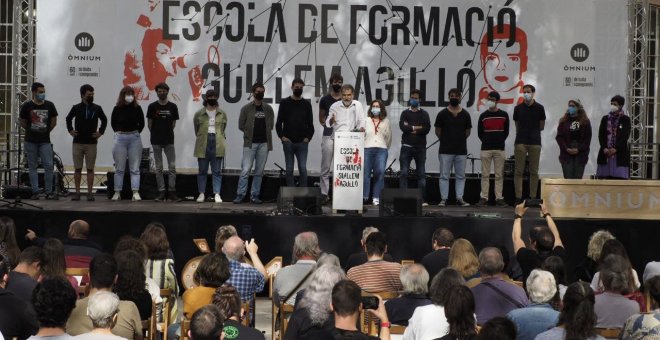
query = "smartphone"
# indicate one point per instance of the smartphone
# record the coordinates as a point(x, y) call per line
point(533, 202)
point(246, 232)
point(369, 302)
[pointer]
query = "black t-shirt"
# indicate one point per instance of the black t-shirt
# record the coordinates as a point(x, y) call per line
point(574, 131)
point(529, 259)
point(259, 132)
point(529, 117)
point(346, 335)
point(235, 330)
point(325, 104)
point(452, 139)
point(162, 117)
point(21, 285)
point(435, 261)
point(38, 120)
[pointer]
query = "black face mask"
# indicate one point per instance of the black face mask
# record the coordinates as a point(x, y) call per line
point(454, 101)
point(336, 87)
point(297, 92)
point(162, 96)
point(258, 96)
point(211, 102)
point(89, 100)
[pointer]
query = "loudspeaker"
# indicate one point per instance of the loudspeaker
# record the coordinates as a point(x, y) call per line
point(299, 201)
point(400, 202)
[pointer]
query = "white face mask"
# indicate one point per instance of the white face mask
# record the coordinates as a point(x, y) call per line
point(129, 99)
point(528, 96)
point(491, 104)
point(614, 108)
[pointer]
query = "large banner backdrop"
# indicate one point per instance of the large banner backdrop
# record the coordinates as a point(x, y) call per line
point(384, 48)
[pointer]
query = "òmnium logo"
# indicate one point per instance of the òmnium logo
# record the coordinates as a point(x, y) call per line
point(84, 41)
point(579, 52)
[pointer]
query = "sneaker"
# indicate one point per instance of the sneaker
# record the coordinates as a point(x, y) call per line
point(217, 198)
point(325, 199)
point(200, 198)
point(90, 197)
point(501, 203)
point(461, 203)
point(161, 196)
point(52, 196)
point(75, 197)
point(173, 197)
point(482, 202)
point(238, 200)
point(442, 203)
point(136, 196)
point(35, 196)
point(256, 201)
point(425, 204)
point(365, 201)
point(376, 202)
point(116, 196)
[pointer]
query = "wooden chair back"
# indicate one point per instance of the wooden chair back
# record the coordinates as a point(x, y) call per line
point(272, 267)
point(79, 274)
point(519, 284)
point(369, 323)
point(246, 313)
point(166, 310)
point(406, 262)
point(609, 333)
point(284, 312)
point(149, 325)
point(185, 327)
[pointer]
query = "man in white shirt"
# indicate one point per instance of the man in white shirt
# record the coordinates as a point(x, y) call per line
point(347, 114)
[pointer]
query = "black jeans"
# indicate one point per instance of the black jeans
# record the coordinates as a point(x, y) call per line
point(418, 153)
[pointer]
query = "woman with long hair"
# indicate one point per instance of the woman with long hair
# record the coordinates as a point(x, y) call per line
point(574, 140)
point(577, 319)
point(8, 245)
point(615, 247)
point(589, 266)
point(614, 154)
point(131, 281)
point(459, 310)
point(127, 120)
point(159, 265)
point(54, 264)
point(464, 259)
point(377, 140)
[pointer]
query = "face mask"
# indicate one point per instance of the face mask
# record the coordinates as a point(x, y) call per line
point(162, 96)
point(527, 96)
point(572, 111)
point(375, 111)
point(259, 96)
point(491, 104)
point(212, 102)
point(347, 103)
point(297, 92)
point(336, 87)
point(454, 101)
point(89, 100)
point(614, 108)
point(41, 96)
point(129, 99)
point(414, 102)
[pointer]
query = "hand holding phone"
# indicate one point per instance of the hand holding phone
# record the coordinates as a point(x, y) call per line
point(533, 202)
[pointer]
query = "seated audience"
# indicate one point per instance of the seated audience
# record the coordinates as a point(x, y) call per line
point(614, 247)
point(585, 271)
point(612, 307)
point(9, 249)
point(511, 267)
point(555, 265)
point(291, 279)
point(577, 319)
point(53, 300)
point(207, 324)
point(159, 265)
point(498, 328)
point(544, 242)
point(78, 249)
point(651, 270)
point(463, 258)
point(17, 319)
point(54, 264)
point(313, 313)
point(102, 275)
point(128, 242)
point(23, 278)
point(539, 316)
point(415, 281)
point(441, 242)
point(429, 322)
point(222, 234)
point(459, 310)
point(361, 257)
point(645, 325)
point(376, 275)
point(131, 282)
point(229, 302)
point(212, 272)
point(102, 310)
point(247, 279)
point(495, 296)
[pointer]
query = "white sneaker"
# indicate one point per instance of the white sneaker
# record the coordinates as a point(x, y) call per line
point(425, 204)
point(442, 203)
point(376, 201)
point(217, 198)
point(116, 196)
point(200, 198)
point(136, 196)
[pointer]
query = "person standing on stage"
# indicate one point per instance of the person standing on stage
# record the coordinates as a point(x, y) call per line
point(162, 116)
point(347, 114)
point(530, 121)
point(210, 123)
point(492, 129)
point(85, 132)
point(613, 133)
point(378, 137)
point(327, 144)
point(127, 120)
point(295, 127)
point(574, 139)
point(256, 121)
point(415, 124)
point(453, 126)
point(39, 117)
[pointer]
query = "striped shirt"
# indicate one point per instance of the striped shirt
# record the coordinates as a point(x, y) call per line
point(377, 276)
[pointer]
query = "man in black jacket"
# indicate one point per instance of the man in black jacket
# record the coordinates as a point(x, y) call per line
point(415, 125)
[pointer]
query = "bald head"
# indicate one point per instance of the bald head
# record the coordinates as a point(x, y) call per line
point(79, 229)
point(234, 248)
point(490, 261)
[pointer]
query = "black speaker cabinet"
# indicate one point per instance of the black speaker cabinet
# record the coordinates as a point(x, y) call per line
point(299, 201)
point(400, 202)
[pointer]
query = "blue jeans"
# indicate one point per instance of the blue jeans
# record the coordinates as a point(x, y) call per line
point(44, 151)
point(299, 150)
point(127, 145)
point(203, 166)
point(446, 164)
point(257, 154)
point(417, 153)
point(374, 159)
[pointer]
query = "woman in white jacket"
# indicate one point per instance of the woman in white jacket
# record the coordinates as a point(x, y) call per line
point(378, 137)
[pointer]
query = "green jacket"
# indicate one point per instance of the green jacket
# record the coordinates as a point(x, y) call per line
point(201, 124)
point(246, 123)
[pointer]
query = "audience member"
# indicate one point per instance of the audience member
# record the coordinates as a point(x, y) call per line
point(612, 307)
point(222, 234)
point(131, 282)
point(207, 324)
point(651, 270)
point(23, 278)
point(8, 246)
point(577, 319)
point(53, 300)
point(585, 271)
point(498, 328)
point(459, 310)
point(291, 279)
point(103, 274)
point(17, 319)
point(376, 275)
point(103, 309)
point(361, 257)
point(495, 296)
point(463, 258)
point(543, 242)
point(511, 266)
point(313, 314)
point(555, 265)
point(615, 247)
point(645, 325)
point(441, 242)
point(429, 322)
point(159, 265)
point(539, 316)
point(212, 272)
point(54, 264)
point(128, 242)
point(229, 302)
point(415, 281)
point(247, 279)
point(78, 250)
